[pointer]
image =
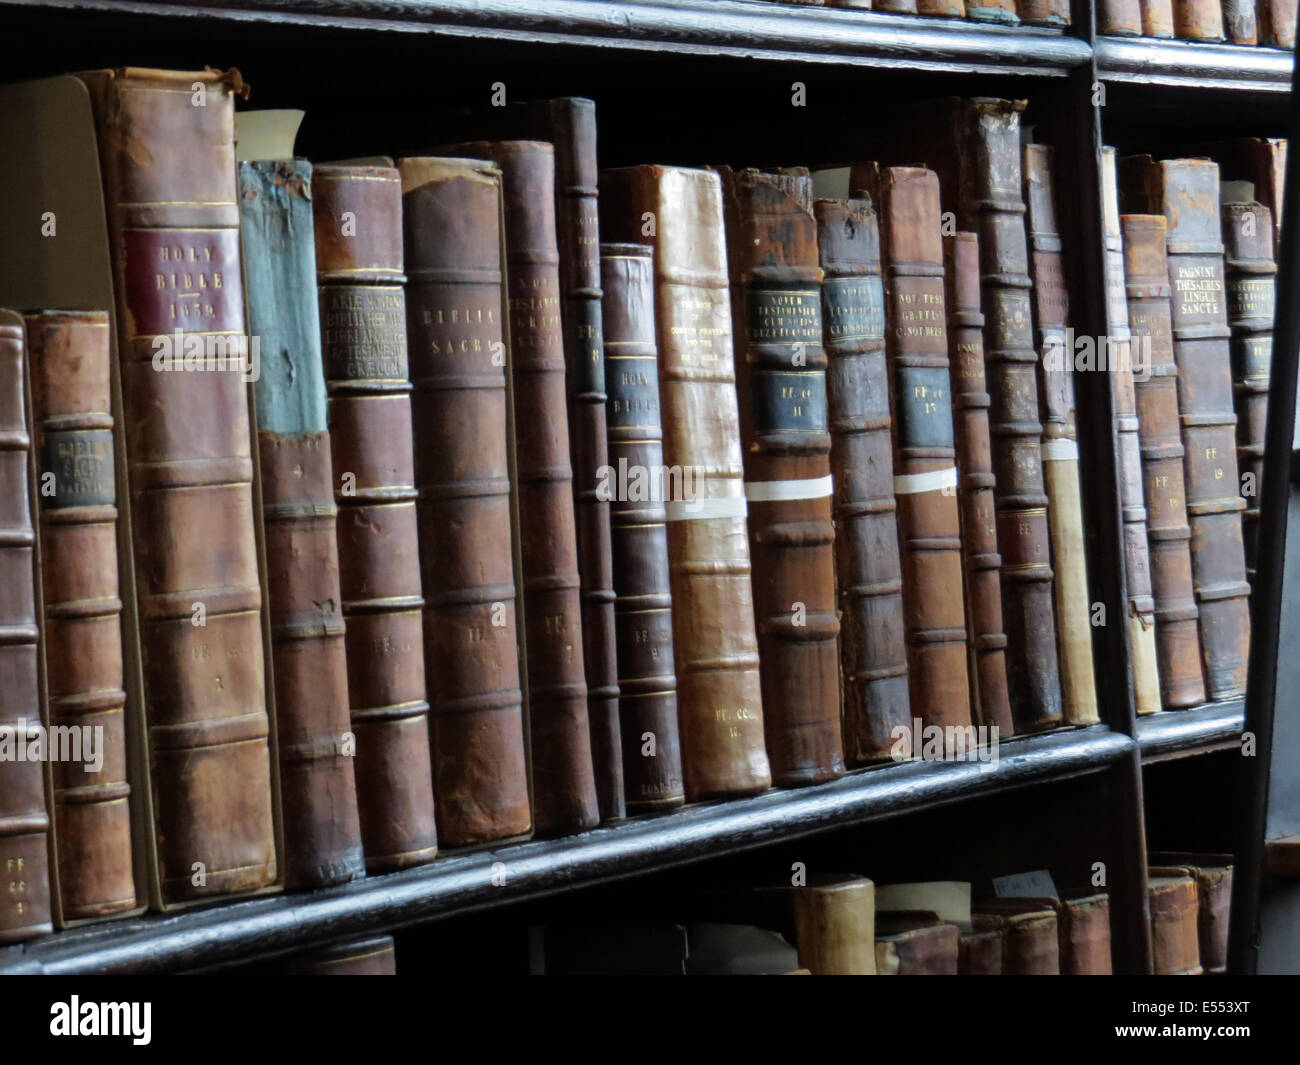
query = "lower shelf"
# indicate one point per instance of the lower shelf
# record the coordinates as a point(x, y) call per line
point(463, 882)
point(1181, 733)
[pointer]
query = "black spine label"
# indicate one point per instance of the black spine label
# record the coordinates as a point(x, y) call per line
point(77, 469)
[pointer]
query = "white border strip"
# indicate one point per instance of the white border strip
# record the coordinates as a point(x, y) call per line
point(703, 509)
point(775, 491)
point(915, 483)
point(1059, 450)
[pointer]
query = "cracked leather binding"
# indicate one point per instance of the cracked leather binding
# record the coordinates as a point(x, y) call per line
point(647, 678)
point(914, 943)
point(72, 425)
point(1186, 191)
point(1157, 18)
point(1277, 20)
point(1060, 450)
point(358, 223)
point(1172, 910)
point(455, 325)
point(925, 456)
point(1213, 876)
point(1030, 934)
point(719, 700)
point(24, 816)
point(1139, 617)
point(785, 436)
point(1178, 640)
point(1240, 23)
point(1251, 277)
point(1044, 12)
point(1120, 18)
point(982, 564)
point(322, 833)
point(169, 180)
point(873, 650)
point(564, 785)
point(1198, 20)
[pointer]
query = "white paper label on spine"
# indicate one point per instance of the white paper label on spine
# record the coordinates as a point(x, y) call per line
point(702, 509)
point(775, 491)
point(1058, 450)
point(914, 483)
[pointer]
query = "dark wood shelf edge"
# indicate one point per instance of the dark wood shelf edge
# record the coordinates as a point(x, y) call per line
point(1183, 733)
point(1192, 65)
point(462, 883)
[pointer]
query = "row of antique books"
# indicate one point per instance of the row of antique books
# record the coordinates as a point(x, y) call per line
point(1005, 12)
point(574, 494)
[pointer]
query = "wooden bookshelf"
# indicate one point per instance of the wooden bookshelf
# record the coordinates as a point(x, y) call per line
point(345, 58)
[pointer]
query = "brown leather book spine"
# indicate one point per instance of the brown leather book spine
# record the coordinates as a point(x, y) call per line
point(1172, 907)
point(1178, 640)
point(455, 328)
point(1198, 20)
point(1213, 876)
point(1044, 12)
point(835, 926)
point(1240, 23)
point(719, 700)
point(1119, 18)
point(371, 956)
point(896, 7)
point(991, 203)
point(1186, 191)
point(72, 426)
point(781, 389)
point(925, 471)
point(358, 216)
point(929, 951)
point(24, 816)
point(1139, 618)
point(1251, 276)
point(1085, 936)
point(1031, 946)
point(980, 949)
point(1262, 162)
point(647, 677)
point(873, 651)
point(1157, 18)
point(941, 8)
point(975, 484)
point(169, 179)
point(564, 786)
point(1277, 20)
point(1060, 451)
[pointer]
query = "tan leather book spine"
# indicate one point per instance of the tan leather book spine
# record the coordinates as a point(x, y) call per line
point(975, 485)
point(371, 956)
point(873, 649)
point(455, 315)
point(941, 8)
point(169, 180)
point(1031, 946)
point(1044, 12)
point(1186, 191)
point(1172, 906)
point(1060, 449)
point(358, 222)
point(785, 435)
point(1251, 277)
point(1085, 936)
point(1277, 20)
point(647, 675)
point(1178, 640)
point(928, 951)
point(564, 785)
point(1139, 619)
point(980, 950)
point(1119, 18)
point(72, 424)
point(1240, 23)
point(719, 700)
point(990, 202)
point(24, 815)
point(1213, 876)
point(1198, 20)
point(1157, 18)
point(835, 926)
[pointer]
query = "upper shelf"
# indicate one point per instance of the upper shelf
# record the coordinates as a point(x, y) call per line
point(1192, 65)
point(1179, 733)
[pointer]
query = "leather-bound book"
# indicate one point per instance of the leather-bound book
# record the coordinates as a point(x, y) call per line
point(975, 483)
point(895, 7)
point(1044, 12)
point(1213, 876)
point(647, 677)
point(1251, 277)
point(1178, 640)
point(873, 650)
point(835, 926)
point(979, 950)
point(170, 191)
point(564, 786)
point(925, 472)
point(1030, 944)
point(1198, 20)
point(781, 389)
point(1186, 191)
point(322, 832)
point(452, 237)
point(719, 700)
point(1060, 452)
point(1157, 18)
point(1084, 926)
point(1119, 18)
point(358, 222)
point(72, 426)
point(914, 944)
point(24, 816)
point(1003, 11)
point(1277, 20)
point(941, 8)
point(1139, 619)
point(1172, 909)
point(1262, 162)
point(370, 956)
point(1240, 23)
point(982, 178)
